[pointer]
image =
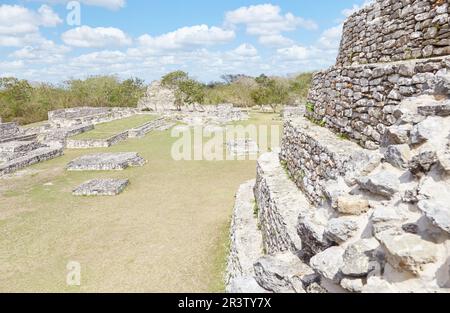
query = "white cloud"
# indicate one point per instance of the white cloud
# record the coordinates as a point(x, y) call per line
point(8, 66)
point(295, 52)
point(88, 37)
point(45, 51)
point(15, 19)
point(275, 41)
point(187, 37)
point(99, 57)
point(267, 22)
point(246, 50)
point(331, 37)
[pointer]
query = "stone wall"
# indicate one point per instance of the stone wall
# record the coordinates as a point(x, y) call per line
point(87, 115)
point(361, 101)
point(393, 30)
point(313, 156)
point(8, 130)
point(97, 143)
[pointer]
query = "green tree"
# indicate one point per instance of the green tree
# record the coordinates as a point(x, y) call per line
point(187, 90)
point(270, 92)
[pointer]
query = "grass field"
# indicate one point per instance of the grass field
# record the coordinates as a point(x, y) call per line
point(106, 130)
point(168, 232)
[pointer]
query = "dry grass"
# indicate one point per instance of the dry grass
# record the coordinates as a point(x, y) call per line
point(168, 232)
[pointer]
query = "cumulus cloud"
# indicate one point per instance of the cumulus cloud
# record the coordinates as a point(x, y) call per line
point(99, 37)
point(15, 19)
point(45, 51)
point(331, 37)
point(188, 37)
point(246, 50)
point(267, 22)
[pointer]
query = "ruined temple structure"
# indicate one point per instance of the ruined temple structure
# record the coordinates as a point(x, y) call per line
point(358, 197)
point(22, 147)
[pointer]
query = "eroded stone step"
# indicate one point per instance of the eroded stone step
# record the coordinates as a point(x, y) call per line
point(279, 203)
point(246, 243)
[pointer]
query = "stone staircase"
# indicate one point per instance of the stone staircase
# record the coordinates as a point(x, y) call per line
point(357, 200)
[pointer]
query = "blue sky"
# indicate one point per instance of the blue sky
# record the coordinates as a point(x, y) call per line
point(149, 38)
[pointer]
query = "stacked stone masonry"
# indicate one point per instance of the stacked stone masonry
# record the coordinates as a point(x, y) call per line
point(361, 102)
point(394, 30)
point(372, 218)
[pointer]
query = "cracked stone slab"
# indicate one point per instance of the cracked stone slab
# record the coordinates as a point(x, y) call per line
point(101, 187)
point(384, 183)
point(106, 162)
point(407, 251)
point(284, 273)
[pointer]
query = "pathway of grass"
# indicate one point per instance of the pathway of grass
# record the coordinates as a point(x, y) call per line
point(106, 130)
point(168, 232)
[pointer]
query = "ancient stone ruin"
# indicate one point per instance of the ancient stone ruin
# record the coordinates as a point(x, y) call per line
point(161, 100)
point(19, 149)
point(358, 197)
point(101, 187)
point(106, 162)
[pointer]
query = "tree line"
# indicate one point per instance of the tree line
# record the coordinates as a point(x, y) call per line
point(24, 102)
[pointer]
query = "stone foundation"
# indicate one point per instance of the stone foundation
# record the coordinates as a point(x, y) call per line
point(33, 157)
point(106, 162)
point(97, 143)
point(101, 187)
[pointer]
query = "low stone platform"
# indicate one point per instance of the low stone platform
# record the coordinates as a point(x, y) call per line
point(143, 130)
point(101, 187)
point(106, 162)
point(242, 147)
point(97, 143)
point(33, 157)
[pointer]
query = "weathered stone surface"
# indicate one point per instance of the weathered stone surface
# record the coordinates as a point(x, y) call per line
point(106, 162)
point(328, 263)
point(358, 258)
point(158, 98)
point(67, 118)
point(353, 205)
point(35, 156)
point(383, 183)
point(398, 155)
point(407, 251)
point(354, 285)
point(365, 115)
point(341, 229)
point(422, 162)
point(284, 273)
point(101, 187)
point(396, 135)
point(312, 234)
point(437, 211)
point(279, 204)
point(246, 243)
point(393, 31)
point(435, 109)
point(313, 158)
